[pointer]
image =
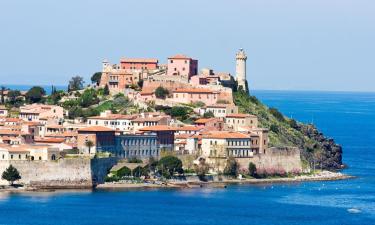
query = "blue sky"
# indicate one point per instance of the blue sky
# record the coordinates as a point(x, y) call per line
point(291, 44)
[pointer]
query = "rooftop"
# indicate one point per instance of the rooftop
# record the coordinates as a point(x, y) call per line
point(95, 129)
point(225, 135)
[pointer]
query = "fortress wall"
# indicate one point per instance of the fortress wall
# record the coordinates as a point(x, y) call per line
point(64, 173)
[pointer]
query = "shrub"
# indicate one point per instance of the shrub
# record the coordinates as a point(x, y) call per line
point(293, 124)
point(168, 165)
point(123, 172)
point(274, 128)
point(134, 160)
point(231, 168)
point(208, 114)
point(277, 114)
point(252, 169)
point(161, 92)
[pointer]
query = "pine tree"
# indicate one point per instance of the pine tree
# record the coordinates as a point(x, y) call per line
point(11, 174)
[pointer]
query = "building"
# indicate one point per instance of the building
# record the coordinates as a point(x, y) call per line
point(236, 120)
point(165, 135)
point(222, 144)
point(36, 112)
point(116, 122)
point(183, 66)
point(140, 146)
point(210, 123)
point(192, 95)
point(3, 111)
point(102, 138)
point(219, 110)
point(148, 120)
point(241, 70)
point(138, 64)
point(28, 152)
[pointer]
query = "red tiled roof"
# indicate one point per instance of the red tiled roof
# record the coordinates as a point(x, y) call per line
point(188, 128)
point(95, 129)
point(193, 90)
point(204, 120)
point(239, 115)
point(138, 60)
point(158, 128)
point(49, 140)
point(179, 56)
point(225, 135)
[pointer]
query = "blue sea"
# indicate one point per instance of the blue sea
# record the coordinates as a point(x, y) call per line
point(347, 117)
point(19, 87)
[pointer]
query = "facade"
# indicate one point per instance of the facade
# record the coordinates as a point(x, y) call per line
point(37, 112)
point(183, 66)
point(222, 144)
point(191, 95)
point(28, 152)
point(138, 64)
point(241, 69)
point(116, 122)
point(3, 111)
point(210, 123)
point(103, 139)
point(237, 120)
point(219, 110)
point(140, 146)
point(165, 136)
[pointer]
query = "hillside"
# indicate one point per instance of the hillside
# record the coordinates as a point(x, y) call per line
point(316, 148)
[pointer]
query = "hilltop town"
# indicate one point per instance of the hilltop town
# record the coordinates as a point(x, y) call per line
point(140, 118)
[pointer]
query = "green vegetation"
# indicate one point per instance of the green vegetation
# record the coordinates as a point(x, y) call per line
point(169, 165)
point(95, 78)
point(161, 92)
point(283, 131)
point(11, 175)
point(134, 160)
point(35, 94)
point(208, 114)
point(231, 168)
point(252, 169)
point(75, 83)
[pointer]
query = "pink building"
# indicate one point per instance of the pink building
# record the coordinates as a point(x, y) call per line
point(182, 65)
point(191, 95)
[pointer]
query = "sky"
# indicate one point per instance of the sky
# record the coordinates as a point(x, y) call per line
point(291, 44)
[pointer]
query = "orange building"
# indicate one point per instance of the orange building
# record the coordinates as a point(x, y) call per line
point(138, 64)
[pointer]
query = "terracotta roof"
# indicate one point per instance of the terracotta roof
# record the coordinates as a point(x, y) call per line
point(148, 119)
point(158, 128)
point(95, 129)
point(204, 120)
point(225, 135)
point(219, 106)
point(49, 140)
point(193, 90)
point(188, 128)
point(138, 60)
point(239, 115)
point(13, 120)
point(179, 56)
point(113, 117)
point(183, 136)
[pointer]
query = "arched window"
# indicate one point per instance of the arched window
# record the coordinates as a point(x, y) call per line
point(53, 157)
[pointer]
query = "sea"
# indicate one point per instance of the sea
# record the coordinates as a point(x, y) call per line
point(347, 117)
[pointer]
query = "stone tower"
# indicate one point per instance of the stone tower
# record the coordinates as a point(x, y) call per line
point(241, 70)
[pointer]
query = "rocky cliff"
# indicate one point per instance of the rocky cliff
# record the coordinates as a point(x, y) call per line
point(316, 150)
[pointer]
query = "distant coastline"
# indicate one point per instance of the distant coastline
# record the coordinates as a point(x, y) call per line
point(26, 87)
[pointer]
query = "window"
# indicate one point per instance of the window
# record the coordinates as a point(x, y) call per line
point(171, 61)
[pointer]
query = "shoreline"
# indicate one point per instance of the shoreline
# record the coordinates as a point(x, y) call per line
point(322, 176)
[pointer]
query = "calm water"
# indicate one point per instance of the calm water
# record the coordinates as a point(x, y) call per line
point(348, 117)
point(47, 88)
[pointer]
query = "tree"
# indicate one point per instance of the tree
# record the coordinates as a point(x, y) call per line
point(179, 111)
point(201, 169)
point(140, 83)
point(161, 92)
point(75, 83)
point(231, 169)
point(124, 172)
point(11, 174)
point(95, 78)
point(89, 144)
point(252, 169)
point(274, 128)
point(106, 90)
point(168, 165)
point(2, 94)
point(35, 94)
point(208, 114)
point(277, 114)
point(88, 98)
point(13, 96)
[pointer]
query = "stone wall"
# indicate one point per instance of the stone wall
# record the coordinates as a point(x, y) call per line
point(64, 173)
point(287, 159)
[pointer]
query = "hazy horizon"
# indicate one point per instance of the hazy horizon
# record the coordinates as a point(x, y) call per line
point(312, 45)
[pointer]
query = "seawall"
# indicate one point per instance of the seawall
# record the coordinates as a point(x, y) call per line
point(63, 173)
